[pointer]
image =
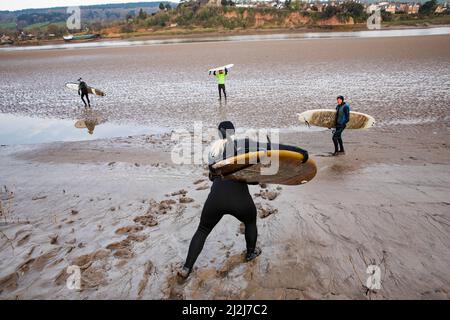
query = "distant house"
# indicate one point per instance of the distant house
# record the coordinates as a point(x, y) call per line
point(403, 8)
point(440, 9)
point(413, 8)
point(391, 8)
point(214, 3)
point(5, 40)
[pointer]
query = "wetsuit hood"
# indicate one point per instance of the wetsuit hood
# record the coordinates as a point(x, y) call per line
point(226, 128)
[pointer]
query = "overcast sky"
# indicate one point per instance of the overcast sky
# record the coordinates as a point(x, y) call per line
point(26, 4)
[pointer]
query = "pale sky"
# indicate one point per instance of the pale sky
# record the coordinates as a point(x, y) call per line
point(26, 4)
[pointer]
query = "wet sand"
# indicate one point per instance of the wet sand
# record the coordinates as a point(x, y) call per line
point(168, 85)
point(123, 212)
point(109, 205)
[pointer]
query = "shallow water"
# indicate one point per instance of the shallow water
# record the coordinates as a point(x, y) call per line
point(282, 36)
point(29, 130)
point(398, 80)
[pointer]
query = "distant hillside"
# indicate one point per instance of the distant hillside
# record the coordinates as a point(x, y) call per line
point(105, 12)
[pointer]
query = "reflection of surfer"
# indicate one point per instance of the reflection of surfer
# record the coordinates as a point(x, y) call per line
point(89, 121)
point(220, 76)
point(342, 117)
point(83, 92)
point(90, 125)
point(225, 197)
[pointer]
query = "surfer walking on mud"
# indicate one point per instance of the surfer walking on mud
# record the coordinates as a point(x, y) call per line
point(225, 197)
point(83, 92)
point(342, 118)
point(220, 76)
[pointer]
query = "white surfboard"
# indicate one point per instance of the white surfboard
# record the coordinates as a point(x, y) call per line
point(228, 66)
point(326, 118)
point(74, 86)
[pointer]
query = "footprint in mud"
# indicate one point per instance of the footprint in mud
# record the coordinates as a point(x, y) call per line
point(38, 263)
point(129, 229)
point(149, 270)
point(93, 269)
point(146, 220)
point(268, 194)
point(124, 253)
point(137, 238)
point(231, 263)
point(266, 211)
point(175, 283)
point(181, 192)
point(184, 199)
point(125, 243)
point(162, 207)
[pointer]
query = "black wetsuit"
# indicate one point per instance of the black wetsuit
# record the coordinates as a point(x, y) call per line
point(231, 197)
point(83, 91)
point(226, 197)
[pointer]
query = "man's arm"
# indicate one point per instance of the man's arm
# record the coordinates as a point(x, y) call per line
point(226, 71)
point(347, 113)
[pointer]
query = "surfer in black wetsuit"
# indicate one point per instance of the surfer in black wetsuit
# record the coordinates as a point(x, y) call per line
point(225, 197)
point(83, 92)
point(342, 118)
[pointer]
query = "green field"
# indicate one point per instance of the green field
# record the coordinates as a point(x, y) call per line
point(8, 25)
point(43, 25)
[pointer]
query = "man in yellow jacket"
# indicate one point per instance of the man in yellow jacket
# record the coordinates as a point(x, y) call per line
point(221, 75)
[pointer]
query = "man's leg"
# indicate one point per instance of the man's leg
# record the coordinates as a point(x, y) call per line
point(335, 141)
point(209, 218)
point(82, 99)
point(251, 234)
point(220, 93)
point(246, 213)
point(224, 92)
point(87, 98)
point(339, 138)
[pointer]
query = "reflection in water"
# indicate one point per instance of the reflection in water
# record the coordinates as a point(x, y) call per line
point(28, 130)
point(89, 120)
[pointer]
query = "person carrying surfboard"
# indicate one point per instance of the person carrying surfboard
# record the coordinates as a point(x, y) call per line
point(225, 197)
point(83, 92)
point(342, 118)
point(220, 76)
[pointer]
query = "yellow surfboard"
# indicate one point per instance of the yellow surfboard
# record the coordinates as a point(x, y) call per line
point(272, 167)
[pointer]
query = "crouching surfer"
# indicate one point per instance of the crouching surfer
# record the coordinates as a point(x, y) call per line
point(342, 118)
point(83, 92)
point(225, 197)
